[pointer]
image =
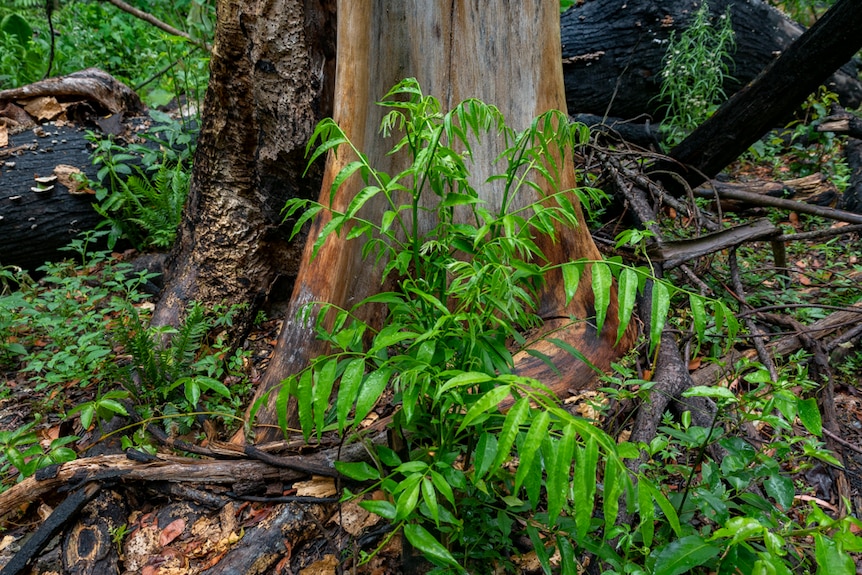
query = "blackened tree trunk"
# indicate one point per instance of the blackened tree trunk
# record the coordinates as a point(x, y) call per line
point(613, 49)
point(270, 64)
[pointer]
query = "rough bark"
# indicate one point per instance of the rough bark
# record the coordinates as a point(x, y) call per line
point(612, 51)
point(782, 87)
point(269, 70)
point(448, 47)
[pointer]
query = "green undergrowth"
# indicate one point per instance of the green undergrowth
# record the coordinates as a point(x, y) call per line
point(76, 347)
point(466, 480)
point(141, 188)
point(157, 65)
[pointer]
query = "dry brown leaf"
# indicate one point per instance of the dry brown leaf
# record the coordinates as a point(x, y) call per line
point(67, 175)
point(4, 136)
point(44, 108)
point(354, 519)
point(325, 566)
point(173, 530)
point(317, 487)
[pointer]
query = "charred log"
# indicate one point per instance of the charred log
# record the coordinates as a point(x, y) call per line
point(612, 52)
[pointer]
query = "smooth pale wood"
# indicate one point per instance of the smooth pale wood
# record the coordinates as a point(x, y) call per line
point(507, 54)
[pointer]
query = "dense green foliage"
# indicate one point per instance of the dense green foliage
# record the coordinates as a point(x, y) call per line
point(87, 33)
point(472, 478)
point(83, 329)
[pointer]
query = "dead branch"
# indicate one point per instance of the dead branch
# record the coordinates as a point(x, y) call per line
point(790, 205)
point(150, 19)
point(673, 254)
point(719, 371)
point(175, 469)
point(819, 234)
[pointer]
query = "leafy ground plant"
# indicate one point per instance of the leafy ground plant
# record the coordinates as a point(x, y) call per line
point(467, 479)
point(694, 69)
point(141, 188)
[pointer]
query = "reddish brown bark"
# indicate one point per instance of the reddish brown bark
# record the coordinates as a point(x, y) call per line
point(450, 48)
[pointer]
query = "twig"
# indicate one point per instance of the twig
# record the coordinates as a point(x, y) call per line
point(146, 17)
point(818, 234)
point(843, 442)
point(759, 345)
point(793, 206)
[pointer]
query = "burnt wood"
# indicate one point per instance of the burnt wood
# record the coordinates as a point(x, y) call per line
point(612, 52)
point(36, 225)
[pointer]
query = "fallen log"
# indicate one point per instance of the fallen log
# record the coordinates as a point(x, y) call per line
point(612, 52)
point(34, 225)
point(91, 85)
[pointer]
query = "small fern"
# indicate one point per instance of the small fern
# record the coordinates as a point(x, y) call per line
point(161, 355)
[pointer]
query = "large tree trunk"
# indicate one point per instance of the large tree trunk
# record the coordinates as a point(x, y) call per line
point(507, 54)
point(613, 50)
point(270, 63)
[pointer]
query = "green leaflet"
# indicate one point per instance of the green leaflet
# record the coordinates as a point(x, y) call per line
point(684, 554)
point(628, 289)
point(531, 446)
point(602, 284)
point(511, 426)
point(571, 278)
point(422, 540)
point(658, 315)
point(348, 389)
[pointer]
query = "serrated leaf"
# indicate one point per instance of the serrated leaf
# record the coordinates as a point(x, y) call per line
point(628, 289)
point(664, 504)
point(461, 380)
point(585, 485)
point(304, 403)
point(281, 405)
point(571, 278)
point(530, 447)
point(511, 426)
point(683, 555)
point(602, 280)
point(698, 312)
point(325, 380)
point(658, 315)
point(560, 472)
point(647, 515)
point(486, 451)
point(486, 403)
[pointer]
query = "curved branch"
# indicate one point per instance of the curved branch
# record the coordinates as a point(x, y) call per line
point(149, 18)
